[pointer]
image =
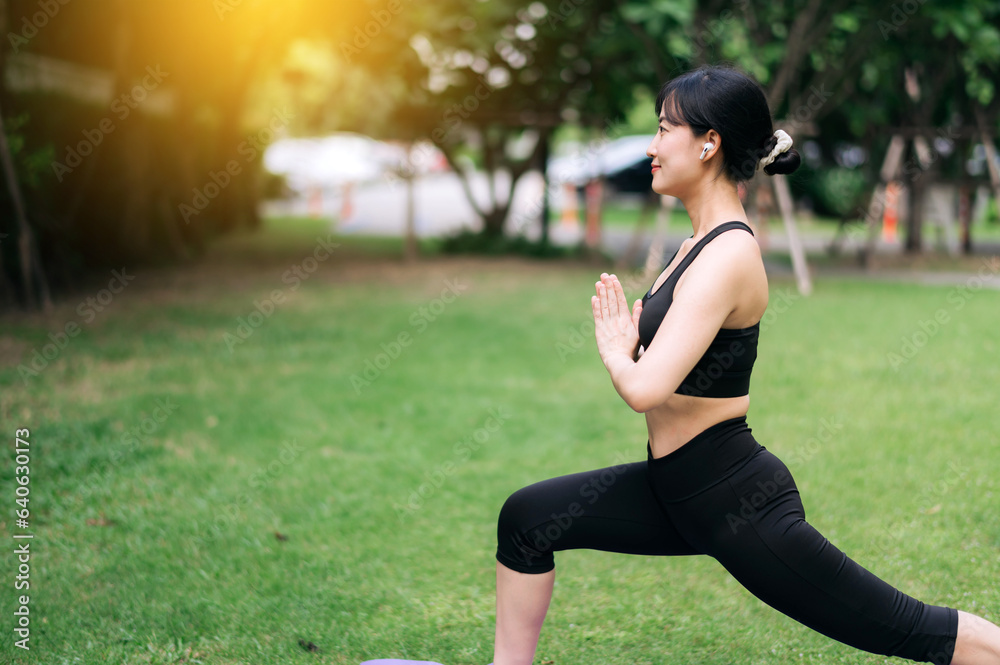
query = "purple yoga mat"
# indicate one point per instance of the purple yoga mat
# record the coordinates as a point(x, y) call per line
point(393, 661)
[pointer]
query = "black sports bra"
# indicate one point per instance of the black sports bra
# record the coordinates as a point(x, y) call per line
point(724, 370)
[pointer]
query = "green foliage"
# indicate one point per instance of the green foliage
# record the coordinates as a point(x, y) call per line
point(472, 242)
point(992, 211)
point(835, 190)
point(641, 118)
point(32, 165)
point(975, 25)
point(453, 71)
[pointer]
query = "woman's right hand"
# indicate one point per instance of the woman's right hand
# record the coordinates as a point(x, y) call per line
point(615, 329)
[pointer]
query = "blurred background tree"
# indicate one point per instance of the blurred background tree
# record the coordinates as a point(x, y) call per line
point(173, 103)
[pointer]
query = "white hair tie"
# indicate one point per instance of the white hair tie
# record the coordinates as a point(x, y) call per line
point(783, 144)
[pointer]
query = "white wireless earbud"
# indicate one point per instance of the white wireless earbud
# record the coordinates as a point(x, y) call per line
point(708, 146)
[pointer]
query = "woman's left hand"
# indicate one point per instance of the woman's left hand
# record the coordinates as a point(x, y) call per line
point(615, 328)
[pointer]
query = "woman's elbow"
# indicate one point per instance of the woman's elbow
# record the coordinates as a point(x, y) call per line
point(642, 401)
point(640, 407)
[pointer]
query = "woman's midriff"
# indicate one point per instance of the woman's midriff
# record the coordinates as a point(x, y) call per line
point(682, 417)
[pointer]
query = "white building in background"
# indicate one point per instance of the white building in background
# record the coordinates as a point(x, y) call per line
point(335, 160)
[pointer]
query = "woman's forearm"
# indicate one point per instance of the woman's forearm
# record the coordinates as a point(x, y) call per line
point(625, 377)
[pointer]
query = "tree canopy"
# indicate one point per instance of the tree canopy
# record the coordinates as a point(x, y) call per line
point(135, 130)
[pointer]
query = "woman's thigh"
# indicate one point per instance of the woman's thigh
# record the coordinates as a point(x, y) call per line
point(759, 533)
point(610, 509)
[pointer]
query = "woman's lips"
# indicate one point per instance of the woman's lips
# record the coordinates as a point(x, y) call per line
point(655, 168)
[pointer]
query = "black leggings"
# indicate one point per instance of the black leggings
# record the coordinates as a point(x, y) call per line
point(724, 495)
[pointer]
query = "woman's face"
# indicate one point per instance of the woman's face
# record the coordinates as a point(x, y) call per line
point(674, 151)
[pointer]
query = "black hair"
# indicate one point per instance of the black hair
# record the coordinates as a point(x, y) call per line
point(731, 103)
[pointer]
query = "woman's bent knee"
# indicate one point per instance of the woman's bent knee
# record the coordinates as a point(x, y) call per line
point(527, 533)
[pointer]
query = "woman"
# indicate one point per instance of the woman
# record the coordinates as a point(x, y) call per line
point(707, 487)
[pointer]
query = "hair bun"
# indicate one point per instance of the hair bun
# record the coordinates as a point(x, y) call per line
point(785, 163)
point(769, 145)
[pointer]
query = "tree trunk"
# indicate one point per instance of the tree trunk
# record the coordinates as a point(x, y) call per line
point(185, 178)
point(543, 159)
point(797, 251)
point(123, 33)
point(32, 271)
point(7, 291)
point(991, 153)
point(4, 22)
point(411, 226)
point(915, 222)
point(493, 222)
point(965, 213)
point(237, 202)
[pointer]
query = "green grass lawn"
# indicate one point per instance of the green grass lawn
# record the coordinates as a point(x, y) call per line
point(198, 497)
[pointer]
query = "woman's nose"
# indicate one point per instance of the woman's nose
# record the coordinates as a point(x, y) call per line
point(651, 150)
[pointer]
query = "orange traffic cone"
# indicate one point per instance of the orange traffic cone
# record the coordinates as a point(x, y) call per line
point(890, 216)
point(315, 202)
point(570, 208)
point(346, 202)
point(595, 197)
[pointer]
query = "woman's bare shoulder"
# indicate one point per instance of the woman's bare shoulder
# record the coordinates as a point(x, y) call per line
point(734, 254)
point(733, 264)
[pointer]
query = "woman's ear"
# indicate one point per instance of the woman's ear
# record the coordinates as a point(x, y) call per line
point(715, 139)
